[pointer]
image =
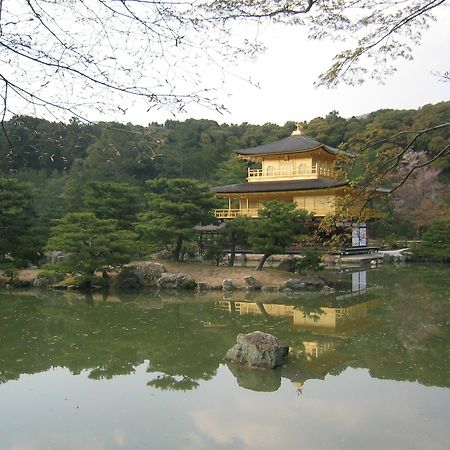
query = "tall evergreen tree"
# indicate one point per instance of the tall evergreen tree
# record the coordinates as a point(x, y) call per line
point(110, 200)
point(92, 243)
point(175, 206)
point(17, 219)
point(274, 231)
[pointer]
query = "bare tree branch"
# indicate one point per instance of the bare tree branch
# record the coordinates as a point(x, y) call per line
point(381, 172)
point(108, 50)
point(443, 152)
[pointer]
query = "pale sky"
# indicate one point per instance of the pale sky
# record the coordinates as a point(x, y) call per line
point(286, 73)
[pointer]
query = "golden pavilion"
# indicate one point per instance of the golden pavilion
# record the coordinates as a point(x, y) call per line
point(295, 169)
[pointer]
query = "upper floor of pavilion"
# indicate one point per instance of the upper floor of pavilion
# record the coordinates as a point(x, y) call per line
point(296, 157)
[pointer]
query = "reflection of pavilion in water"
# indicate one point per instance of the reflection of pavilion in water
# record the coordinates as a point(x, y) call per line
point(326, 327)
point(344, 315)
point(326, 319)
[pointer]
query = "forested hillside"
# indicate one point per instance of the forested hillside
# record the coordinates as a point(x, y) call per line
point(62, 168)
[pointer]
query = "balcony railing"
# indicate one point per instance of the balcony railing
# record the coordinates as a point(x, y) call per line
point(232, 213)
point(253, 212)
point(303, 173)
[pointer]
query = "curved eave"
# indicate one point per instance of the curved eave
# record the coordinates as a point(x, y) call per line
point(272, 186)
point(281, 153)
point(290, 144)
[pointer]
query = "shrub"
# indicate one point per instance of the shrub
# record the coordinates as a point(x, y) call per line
point(435, 242)
point(311, 260)
point(50, 275)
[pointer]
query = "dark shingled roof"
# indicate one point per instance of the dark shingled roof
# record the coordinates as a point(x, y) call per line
point(209, 227)
point(292, 144)
point(278, 186)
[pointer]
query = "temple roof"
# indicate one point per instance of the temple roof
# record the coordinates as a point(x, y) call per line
point(296, 143)
point(278, 186)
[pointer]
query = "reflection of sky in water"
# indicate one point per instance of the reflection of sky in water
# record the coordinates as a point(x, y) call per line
point(399, 330)
point(56, 410)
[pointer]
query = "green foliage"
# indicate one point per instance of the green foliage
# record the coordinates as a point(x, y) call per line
point(435, 241)
point(91, 243)
point(101, 168)
point(310, 260)
point(231, 171)
point(39, 145)
point(128, 279)
point(275, 230)
point(122, 152)
point(215, 251)
point(229, 236)
point(383, 134)
point(332, 129)
point(193, 147)
point(48, 202)
point(10, 271)
point(78, 281)
point(118, 201)
point(175, 206)
point(51, 275)
point(236, 233)
point(17, 220)
point(392, 226)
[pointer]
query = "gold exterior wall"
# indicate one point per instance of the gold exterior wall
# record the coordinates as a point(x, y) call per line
point(319, 203)
point(313, 164)
point(301, 166)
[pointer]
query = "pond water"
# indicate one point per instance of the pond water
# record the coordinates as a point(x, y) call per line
point(368, 368)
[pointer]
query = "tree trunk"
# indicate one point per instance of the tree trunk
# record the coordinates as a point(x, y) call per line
point(232, 251)
point(178, 247)
point(262, 309)
point(262, 261)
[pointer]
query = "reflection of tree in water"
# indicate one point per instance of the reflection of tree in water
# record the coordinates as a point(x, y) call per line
point(312, 312)
point(170, 383)
point(111, 369)
point(415, 312)
point(185, 338)
point(108, 339)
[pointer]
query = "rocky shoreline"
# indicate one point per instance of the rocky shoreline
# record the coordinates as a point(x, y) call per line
point(154, 275)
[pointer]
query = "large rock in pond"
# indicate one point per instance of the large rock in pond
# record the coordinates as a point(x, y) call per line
point(257, 349)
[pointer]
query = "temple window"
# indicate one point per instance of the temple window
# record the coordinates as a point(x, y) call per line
point(270, 171)
point(287, 168)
